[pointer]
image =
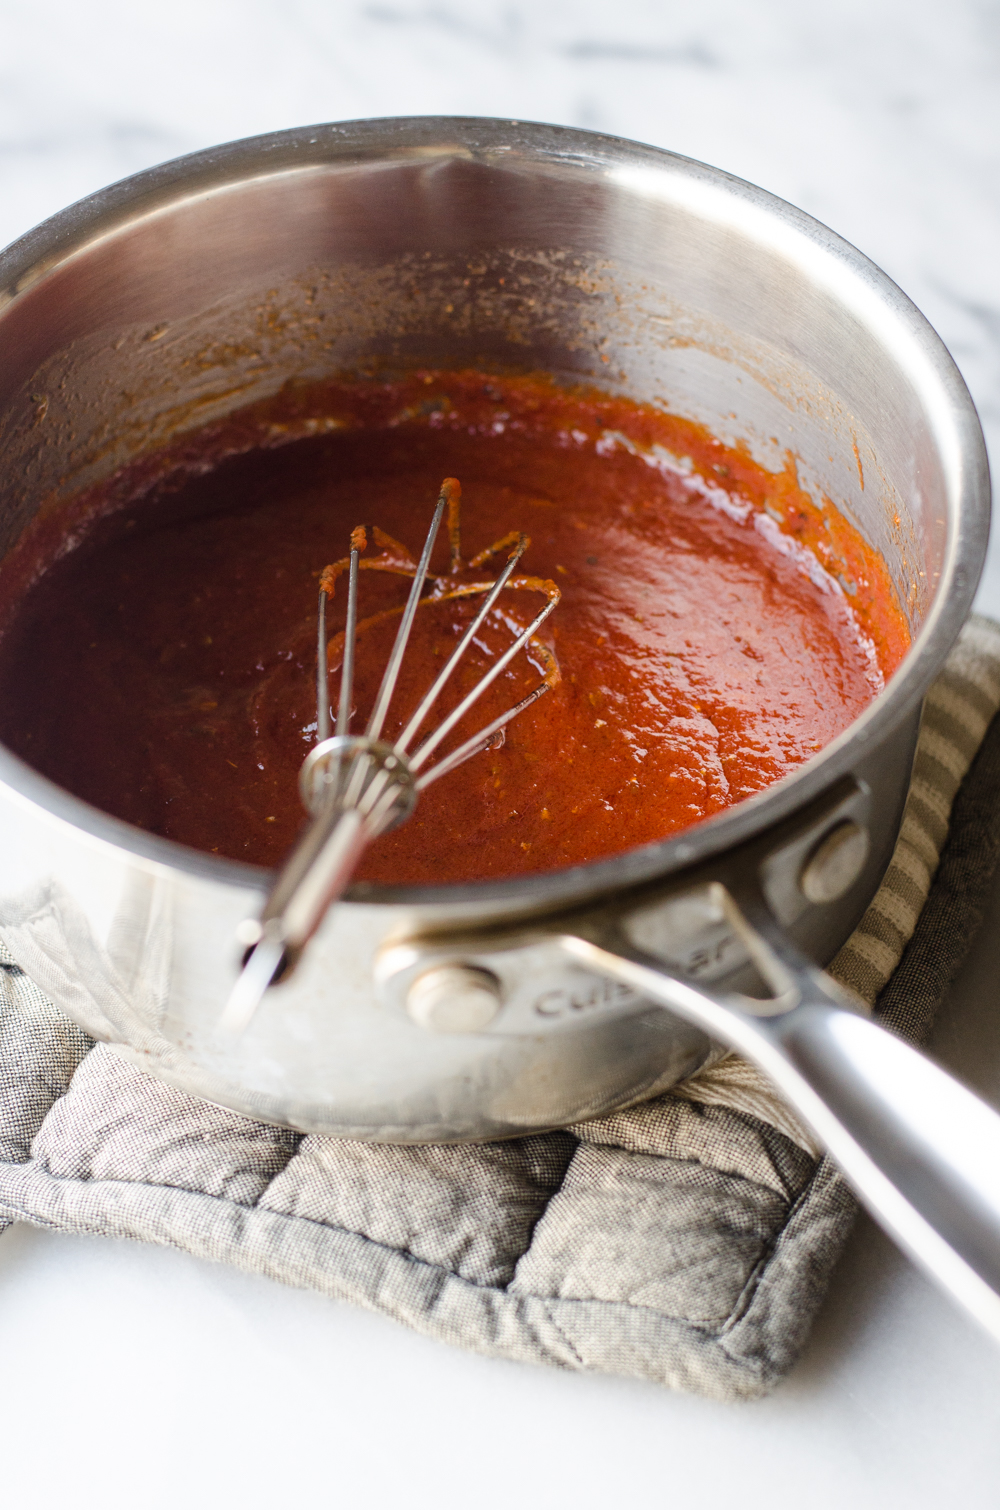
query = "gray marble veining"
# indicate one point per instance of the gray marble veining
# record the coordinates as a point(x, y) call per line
point(881, 118)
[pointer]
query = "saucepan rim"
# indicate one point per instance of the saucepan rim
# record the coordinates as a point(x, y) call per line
point(35, 256)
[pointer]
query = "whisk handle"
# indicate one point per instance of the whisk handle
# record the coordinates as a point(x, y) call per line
point(356, 789)
point(317, 872)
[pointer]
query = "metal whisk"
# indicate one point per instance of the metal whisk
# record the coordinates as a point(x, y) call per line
point(359, 786)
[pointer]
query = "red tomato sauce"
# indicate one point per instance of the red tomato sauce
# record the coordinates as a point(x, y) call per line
point(717, 627)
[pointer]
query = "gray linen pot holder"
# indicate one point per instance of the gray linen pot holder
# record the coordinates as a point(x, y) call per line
point(687, 1240)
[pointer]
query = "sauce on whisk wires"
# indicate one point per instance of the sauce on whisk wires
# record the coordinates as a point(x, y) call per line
point(358, 785)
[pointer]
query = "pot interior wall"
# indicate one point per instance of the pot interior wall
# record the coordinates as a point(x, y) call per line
point(644, 278)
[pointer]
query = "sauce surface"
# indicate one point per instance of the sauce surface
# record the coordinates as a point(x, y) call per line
point(164, 668)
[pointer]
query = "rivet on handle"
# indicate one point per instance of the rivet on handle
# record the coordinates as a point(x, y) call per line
point(835, 864)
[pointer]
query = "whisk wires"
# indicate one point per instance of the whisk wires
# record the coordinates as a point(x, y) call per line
point(358, 786)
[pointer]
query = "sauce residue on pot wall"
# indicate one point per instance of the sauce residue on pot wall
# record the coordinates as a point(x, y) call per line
point(163, 668)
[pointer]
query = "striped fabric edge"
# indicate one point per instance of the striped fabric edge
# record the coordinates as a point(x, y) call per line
point(958, 710)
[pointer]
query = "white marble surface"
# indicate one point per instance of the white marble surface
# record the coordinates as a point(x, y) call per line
point(140, 1377)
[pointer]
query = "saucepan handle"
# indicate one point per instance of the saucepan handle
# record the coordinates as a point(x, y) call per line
point(921, 1151)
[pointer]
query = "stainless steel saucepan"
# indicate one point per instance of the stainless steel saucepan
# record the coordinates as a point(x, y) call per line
point(500, 1008)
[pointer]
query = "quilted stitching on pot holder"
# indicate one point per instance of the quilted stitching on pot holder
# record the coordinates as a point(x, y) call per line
point(688, 1240)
